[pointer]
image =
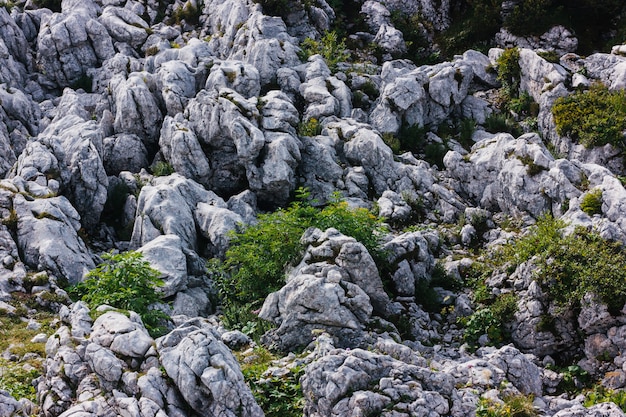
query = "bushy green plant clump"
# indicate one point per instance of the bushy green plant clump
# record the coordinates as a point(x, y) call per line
point(568, 266)
point(594, 117)
point(329, 47)
point(277, 396)
point(509, 72)
point(600, 394)
point(591, 202)
point(255, 264)
point(529, 17)
point(491, 319)
point(512, 406)
point(162, 169)
point(127, 282)
point(502, 123)
point(311, 127)
point(189, 13)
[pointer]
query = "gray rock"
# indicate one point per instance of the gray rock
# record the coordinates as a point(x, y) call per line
point(78, 146)
point(177, 83)
point(308, 303)
point(520, 370)
point(216, 224)
point(122, 336)
point(103, 362)
point(167, 206)
point(557, 38)
point(69, 44)
point(48, 239)
point(193, 302)
point(124, 152)
point(243, 78)
point(180, 147)
point(136, 107)
point(357, 382)
point(165, 254)
point(124, 26)
point(205, 371)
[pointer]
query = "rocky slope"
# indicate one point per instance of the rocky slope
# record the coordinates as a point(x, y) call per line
point(163, 127)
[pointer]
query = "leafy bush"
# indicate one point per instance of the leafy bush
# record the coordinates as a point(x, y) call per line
point(502, 123)
point(509, 72)
point(162, 169)
point(529, 17)
point(311, 127)
point(594, 117)
point(329, 47)
point(127, 282)
point(512, 406)
point(189, 13)
point(600, 394)
point(591, 202)
point(568, 266)
point(491, 320)
point(255, 263)
point(277, 396)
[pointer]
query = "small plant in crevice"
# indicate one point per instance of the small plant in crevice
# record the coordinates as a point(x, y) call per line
point(511, 406)
point(162, 169)
point(330, 47)
point(600, 394)
point(309, 127)
point(278, 396)
point(491, 319)
point(531, 167)
point(591, 202)
point(127, 282)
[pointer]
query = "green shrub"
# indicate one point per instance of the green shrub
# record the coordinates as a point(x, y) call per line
point(512, 406)
point(502, 123)
point(530, 17)
point(255, 263)
point(310, 127)
point(329, 47)
point(594, 117)
point(591, 202)
point(127, 282)
point(17, 380)
point(569, 266)
point(162, 169)
point(492, 320)
point(277, 396)
point(189, 13)
point(509, 72)
point(600, 394)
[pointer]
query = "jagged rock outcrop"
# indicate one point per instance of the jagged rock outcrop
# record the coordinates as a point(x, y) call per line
point(112, 367)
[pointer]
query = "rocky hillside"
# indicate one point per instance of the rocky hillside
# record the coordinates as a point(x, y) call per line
point(311, 208)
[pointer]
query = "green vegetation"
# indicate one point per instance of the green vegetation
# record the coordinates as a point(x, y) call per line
point(509, 72)
point(512, 406)
point(567, 266)
point(278, 396)
point(18, 379)
point(329, 47)
point(594, 117)
point(188, 13)
point(127, 282)
point(255, 263)
point(591, 202)
point(600, 394)
point(310, 127)
point(162, 169)
point(491, 319)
